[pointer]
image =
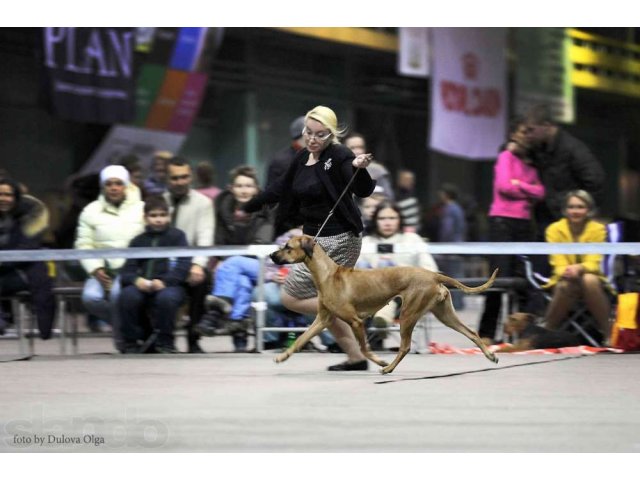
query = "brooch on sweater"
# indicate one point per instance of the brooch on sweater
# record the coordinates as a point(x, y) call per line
point(327, 164)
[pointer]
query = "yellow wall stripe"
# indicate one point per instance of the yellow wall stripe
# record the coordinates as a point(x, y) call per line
point(589, 37)
point(585, 79)
point(362, 37)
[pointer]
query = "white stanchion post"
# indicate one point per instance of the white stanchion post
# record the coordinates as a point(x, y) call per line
point(260, 306)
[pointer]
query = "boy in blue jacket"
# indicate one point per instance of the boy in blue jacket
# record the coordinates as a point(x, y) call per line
point(153, 284)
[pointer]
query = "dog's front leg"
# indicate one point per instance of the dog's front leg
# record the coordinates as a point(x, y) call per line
point(319, 324)
point(357, 325)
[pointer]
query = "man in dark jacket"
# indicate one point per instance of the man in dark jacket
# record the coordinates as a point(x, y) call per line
point(280, 162)
point(155, 283)
point(23, 220)
point(283, 158)
point(565, 163)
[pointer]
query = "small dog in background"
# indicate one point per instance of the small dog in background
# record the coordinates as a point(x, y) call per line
point(531, 336)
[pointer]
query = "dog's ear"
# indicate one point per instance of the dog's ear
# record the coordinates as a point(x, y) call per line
point(307, 245)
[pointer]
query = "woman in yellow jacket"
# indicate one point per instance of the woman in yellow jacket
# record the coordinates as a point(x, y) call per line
point(578, 276)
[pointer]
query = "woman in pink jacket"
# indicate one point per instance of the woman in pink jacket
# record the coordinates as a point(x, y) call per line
point(516, 187)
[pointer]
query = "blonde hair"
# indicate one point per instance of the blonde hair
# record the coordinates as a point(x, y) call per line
point(328, 119)
point(585, 197)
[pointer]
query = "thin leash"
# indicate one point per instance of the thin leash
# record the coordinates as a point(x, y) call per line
point(353, 177)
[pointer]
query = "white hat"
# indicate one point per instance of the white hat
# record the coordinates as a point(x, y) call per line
point(114, 171)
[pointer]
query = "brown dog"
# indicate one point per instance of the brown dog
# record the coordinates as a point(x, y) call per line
point(352, 295)
point(531, 336)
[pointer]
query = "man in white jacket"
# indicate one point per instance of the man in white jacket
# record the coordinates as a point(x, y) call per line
point(111, 221)
point(193, 213)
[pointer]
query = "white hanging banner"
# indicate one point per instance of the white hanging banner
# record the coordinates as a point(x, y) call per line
point(413, 54)
point(468, 91)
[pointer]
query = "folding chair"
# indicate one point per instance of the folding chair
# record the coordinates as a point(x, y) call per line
point(580, 320)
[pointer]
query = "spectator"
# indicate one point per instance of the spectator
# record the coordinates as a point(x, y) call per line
point(367, 206)
point(574, 276)
point(387, 231)
point(132, 163)
point(156, 182)
point(23, 221)
point(206, 178)
point(236, 279)
point(387, 228)
point(191, 212)
point(236, 276)
point(565, 163)
point(81, 191)
point(281, 160)
point(156, 284)
point(111, 221)
point(358, 145)
point(233, 226)
point(407, 201)
point(431, 221)
point(306, 194)
point(452, 228)
point(280, 163)
point(516, 188)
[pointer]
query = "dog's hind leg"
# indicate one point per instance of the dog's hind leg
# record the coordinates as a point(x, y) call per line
point(443, 311)
point(319, 324)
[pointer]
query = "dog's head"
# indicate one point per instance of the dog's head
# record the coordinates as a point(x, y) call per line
point(294, 251)
point(517, 322)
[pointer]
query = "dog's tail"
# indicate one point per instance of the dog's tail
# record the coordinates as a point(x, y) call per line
point(452, 282)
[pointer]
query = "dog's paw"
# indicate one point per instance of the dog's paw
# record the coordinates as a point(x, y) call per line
point(280, 358)
point(493, 358)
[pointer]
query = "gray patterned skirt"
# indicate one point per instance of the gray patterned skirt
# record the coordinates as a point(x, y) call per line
point(344, 249)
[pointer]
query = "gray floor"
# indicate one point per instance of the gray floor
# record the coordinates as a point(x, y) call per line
point(224, 402)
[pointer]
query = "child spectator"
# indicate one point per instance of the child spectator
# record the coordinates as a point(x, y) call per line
point(153, 283)
point(387, 229)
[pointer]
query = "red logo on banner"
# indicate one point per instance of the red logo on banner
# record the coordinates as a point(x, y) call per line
point(470, 65)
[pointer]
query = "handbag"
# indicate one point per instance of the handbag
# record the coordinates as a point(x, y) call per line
point(625, 333)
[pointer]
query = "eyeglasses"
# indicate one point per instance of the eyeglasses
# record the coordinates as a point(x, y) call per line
point(320, 136)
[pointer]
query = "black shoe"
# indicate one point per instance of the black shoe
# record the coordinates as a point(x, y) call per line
point(210, 324)
point(130, 349)
point(166, 349)
point(195, 348)
point(349, 366)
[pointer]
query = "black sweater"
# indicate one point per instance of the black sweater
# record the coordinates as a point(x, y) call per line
point(335, 175)
point(171, 272)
